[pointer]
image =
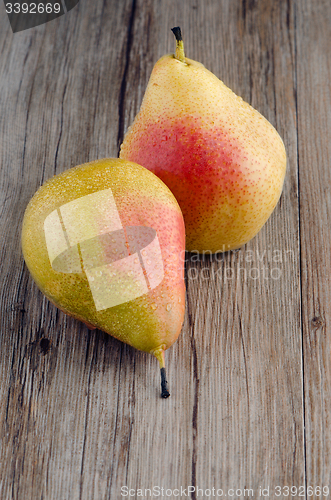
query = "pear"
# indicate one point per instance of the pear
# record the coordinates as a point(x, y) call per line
point(105, 242)
point(223, 161)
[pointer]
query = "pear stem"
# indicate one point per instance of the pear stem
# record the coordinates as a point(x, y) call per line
point(164, 384)
point(159, 354)
point(180, 55)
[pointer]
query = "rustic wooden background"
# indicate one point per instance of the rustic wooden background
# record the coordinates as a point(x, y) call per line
point(250, 376)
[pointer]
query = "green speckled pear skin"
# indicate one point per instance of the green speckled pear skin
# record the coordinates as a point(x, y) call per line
point(105, 241)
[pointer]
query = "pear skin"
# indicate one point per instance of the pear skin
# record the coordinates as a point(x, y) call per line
point(223, 161)
point(105, 242)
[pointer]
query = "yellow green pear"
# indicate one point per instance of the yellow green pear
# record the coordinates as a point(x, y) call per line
point(223, 161)
point(105, 242)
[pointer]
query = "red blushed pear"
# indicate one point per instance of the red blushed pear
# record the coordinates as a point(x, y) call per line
point(105, 242)
point(223, 161)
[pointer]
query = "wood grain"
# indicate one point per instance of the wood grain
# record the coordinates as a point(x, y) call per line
point(314, 138)
point(80, 413)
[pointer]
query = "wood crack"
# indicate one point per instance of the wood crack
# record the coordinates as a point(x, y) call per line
point(61, 127)
point(132, 420)
point(244, 355)
point(121, 106)
point(196, 392)
point(116, 418)
point(86, 417)
point(300, 245)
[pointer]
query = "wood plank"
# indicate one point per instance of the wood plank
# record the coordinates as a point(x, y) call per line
point(246, 428)
point(314, 128)
point(60, 102)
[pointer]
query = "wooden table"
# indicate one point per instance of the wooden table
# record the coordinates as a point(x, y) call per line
point(250, 375)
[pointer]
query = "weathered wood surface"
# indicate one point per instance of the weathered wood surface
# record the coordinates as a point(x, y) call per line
point(80, 413)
